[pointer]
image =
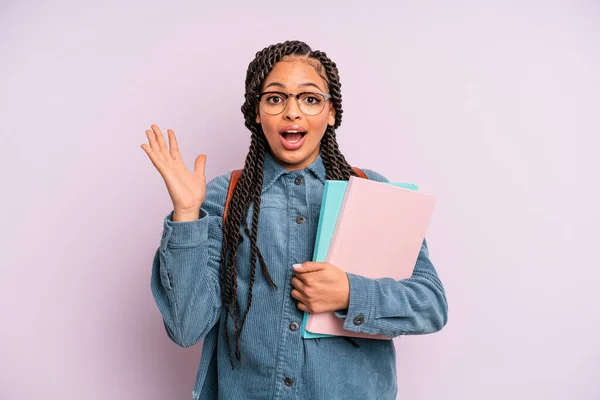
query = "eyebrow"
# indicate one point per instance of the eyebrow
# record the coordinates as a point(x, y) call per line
point(302, 85)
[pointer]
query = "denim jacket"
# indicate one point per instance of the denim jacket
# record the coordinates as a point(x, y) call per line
point(276, 362)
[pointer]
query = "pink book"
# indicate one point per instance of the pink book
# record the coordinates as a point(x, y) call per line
point(378, 234)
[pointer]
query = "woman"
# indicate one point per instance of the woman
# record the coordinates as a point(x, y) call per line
point(205, 280)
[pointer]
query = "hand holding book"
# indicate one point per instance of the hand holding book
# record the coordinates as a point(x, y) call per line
point(369, 229)
point(320, 287)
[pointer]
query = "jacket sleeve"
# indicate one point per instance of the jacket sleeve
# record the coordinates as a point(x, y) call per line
point(391, 308)
point(185, 271)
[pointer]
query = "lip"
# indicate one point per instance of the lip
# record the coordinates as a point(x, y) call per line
point(292, 128)
point(292, 146)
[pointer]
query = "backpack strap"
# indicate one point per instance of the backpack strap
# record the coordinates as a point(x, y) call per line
point(360, 172)
point(237, 173)
point(235, 176)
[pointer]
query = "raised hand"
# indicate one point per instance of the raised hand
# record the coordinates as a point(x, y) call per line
point(186, 189)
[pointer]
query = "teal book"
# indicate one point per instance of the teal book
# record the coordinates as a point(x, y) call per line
point(331, 203)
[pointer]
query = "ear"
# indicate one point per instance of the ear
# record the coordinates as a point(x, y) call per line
point(257, 115)
point(331, 119)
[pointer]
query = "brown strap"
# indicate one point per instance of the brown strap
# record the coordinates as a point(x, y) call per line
point(360, 172)
point(236, 174)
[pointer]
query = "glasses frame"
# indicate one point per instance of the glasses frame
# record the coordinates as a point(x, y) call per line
point(286, 96)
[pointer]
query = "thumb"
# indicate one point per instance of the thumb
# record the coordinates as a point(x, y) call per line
point(307, 267)
point(200, 165)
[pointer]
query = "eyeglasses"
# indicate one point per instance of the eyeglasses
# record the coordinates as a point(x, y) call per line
point(310, 103)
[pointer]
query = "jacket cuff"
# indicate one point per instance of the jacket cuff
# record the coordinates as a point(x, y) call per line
point(184, 234)
point(360, 308)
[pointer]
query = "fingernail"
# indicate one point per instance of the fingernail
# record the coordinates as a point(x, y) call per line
point(296, 266)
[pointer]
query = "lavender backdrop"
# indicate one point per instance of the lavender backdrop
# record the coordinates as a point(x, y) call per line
point(492, 106)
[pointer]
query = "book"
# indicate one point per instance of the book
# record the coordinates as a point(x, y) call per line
point(368, 228)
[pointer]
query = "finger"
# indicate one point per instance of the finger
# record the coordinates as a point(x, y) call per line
point(200, 165)
point(305, 278)
point(147, 148)
point(297, 295)
point(308, 267)
point(153, 156)
point(173, 145)
point(302, 307)
point(298, 284)
point(160, 138)
point(152, 140)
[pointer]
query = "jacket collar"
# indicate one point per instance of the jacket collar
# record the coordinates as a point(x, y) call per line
point(272, 170)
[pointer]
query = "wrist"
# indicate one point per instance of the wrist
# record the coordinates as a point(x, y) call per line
point(185, 216)
point(345, 295)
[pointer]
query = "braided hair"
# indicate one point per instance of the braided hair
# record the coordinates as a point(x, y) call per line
point(249, 186)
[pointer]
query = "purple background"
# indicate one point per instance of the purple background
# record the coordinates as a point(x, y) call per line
point(492, 107)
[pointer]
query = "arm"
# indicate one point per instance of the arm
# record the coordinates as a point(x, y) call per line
point(391, 308)
point(185, 271)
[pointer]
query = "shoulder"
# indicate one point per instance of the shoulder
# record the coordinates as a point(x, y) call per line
point(216, 193)
point(219, 183)
point(374, 175)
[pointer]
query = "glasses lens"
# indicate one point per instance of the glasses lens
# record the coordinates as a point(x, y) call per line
point(311, 103)
point(272, 103)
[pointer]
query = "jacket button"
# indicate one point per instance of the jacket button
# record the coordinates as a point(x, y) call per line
point(300, 220)
point(288, 382)
point(298, 181)
point(359, 320)
point(294, 327)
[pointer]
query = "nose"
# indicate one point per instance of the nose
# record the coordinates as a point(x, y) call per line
point(292, 111)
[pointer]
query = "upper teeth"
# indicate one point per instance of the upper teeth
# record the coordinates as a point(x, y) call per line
point(292, 131)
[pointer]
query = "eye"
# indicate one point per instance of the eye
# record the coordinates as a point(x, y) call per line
point(273, 99)
point(311, 99)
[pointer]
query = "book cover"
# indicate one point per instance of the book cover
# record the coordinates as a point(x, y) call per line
point(333, 198)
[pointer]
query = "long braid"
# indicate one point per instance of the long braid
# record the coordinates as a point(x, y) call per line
point(249, 187)
point(336, 166)
point(255, 252)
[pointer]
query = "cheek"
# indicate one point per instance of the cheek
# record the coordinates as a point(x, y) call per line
point(269, 126)
point(319, 123)
point(267, 122)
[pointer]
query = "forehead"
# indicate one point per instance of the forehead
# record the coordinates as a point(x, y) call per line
point(294, 73)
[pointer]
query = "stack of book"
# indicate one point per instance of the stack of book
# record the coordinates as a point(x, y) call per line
point(368, 228)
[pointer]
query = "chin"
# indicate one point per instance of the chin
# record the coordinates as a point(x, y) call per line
point(293, 159)
point(289, 157)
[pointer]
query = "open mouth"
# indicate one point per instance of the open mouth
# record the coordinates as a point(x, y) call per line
point(292, 137)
